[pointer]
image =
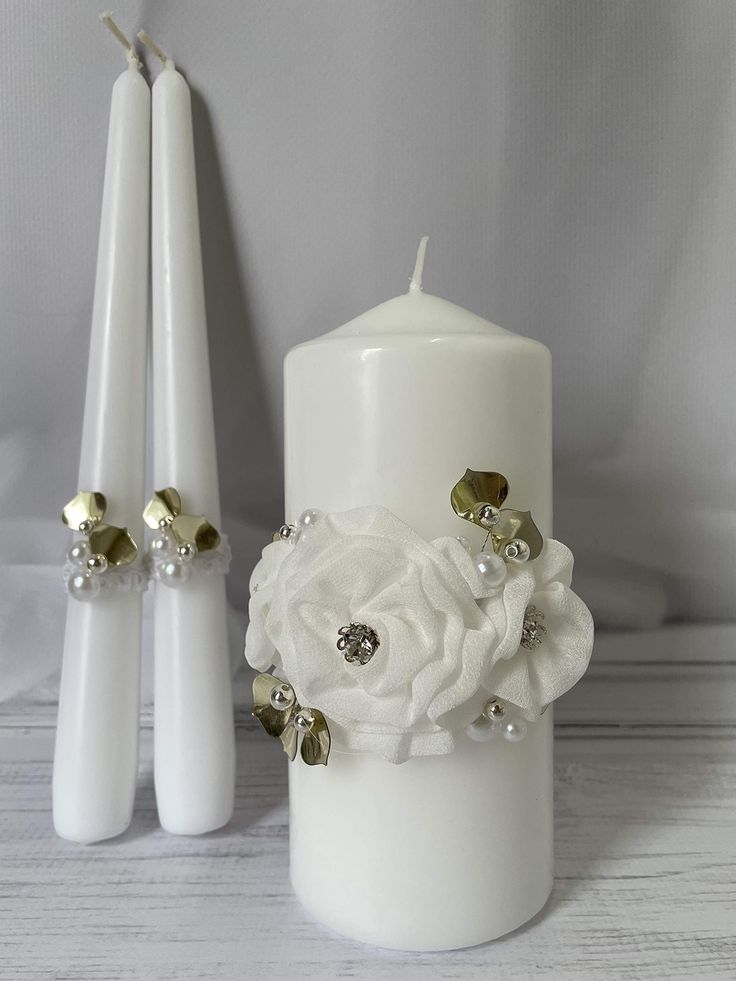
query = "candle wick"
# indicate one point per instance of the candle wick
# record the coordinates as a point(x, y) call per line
point(415, 286)
point(152, 46)
point(110, 24)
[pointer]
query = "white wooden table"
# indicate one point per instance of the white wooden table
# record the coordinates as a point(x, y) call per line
point(645, 852)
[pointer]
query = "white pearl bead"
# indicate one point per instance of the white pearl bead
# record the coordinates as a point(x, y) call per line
point(161, 545)
point(174, 572)
point(306, 523)
point(491, 567)
point(514, 730)
point(482, 730)
point(78, 553)
point(84, 586)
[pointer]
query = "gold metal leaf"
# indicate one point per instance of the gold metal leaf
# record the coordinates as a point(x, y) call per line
point(517, 524)
point(195, 528)
point(164, 504)
point(289, 739)
point(114, 543)
point(316, 741)
point(478, 487)
point(273, 720)
point(279, 723)
point(86, 506)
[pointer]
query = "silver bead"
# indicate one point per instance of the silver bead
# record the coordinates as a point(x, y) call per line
point(97, 564)
point(286, 532)
point(481, 730)
point(161, 545)
point(303, 720)
point(84, 586)
point(516, 551)
point(86, 526)
point(173, 572)
point(491, 567)
point(487, 515)
point(464, 542)
point(78, 553)
point(187, 551)
point(494, 709)
point(165, 522)
point(282, 697)
point(514, 730)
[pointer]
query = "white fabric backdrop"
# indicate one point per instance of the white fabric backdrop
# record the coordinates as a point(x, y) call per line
point(575, 166)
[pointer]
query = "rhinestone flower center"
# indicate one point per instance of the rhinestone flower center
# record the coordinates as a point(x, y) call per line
point(533, 630)
point(358, 642)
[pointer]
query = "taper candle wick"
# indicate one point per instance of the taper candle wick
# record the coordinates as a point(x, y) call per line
point(415, 286)
point(132, 57)
point(152, 46)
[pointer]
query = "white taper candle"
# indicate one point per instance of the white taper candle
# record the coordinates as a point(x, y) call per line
point(391, 409)
point(194, 743)
point(96, 756)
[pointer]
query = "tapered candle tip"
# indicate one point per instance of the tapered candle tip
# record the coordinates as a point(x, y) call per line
point(415, 286)
point(156, 49)
point(133, 60)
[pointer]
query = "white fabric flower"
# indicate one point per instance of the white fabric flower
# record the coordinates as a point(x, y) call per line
point(531, 679)
point(436, 643)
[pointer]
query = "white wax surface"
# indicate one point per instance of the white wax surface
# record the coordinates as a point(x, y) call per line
point(96, 757)
point(391, 409)
point(194, 763)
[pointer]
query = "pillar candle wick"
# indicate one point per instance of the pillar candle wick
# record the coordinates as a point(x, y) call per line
point(156, 49)
point(133, 60)
point(415, 286)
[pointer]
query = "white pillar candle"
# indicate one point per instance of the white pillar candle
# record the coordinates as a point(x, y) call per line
point(96, 757)
point(194, 742)
point(390, 409)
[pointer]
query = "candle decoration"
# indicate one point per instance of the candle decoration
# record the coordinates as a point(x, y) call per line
point(420, 396)
point(437, 653)
point(100, 560)
point(194, 735)
point(96, 753)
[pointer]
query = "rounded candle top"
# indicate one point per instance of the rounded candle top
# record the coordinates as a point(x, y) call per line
point(420, 315)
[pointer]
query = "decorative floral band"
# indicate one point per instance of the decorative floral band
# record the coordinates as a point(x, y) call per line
point(401, 644)
point(106, 559)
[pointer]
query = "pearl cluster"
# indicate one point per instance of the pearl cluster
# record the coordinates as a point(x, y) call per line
point(174, 562)
point(494, 719)
point(83, 581)
point(87, 574)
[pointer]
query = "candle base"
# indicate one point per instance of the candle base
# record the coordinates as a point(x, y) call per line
point(434, 854)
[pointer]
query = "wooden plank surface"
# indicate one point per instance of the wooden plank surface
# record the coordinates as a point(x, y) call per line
point(645, 879)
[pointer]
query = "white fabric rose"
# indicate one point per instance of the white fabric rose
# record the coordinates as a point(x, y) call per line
point(531, 679)
point(436, 642)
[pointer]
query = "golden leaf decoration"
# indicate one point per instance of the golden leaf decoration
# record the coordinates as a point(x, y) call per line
point(478, 488)
point(475, 488)
point(114, 543)
point(287, 723)
point(86, 506)
point(84, 513)
point(517, 525)
point(187, 529)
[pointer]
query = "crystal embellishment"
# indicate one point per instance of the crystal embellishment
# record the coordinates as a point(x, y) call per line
point(358, 642)
point(533, 630)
